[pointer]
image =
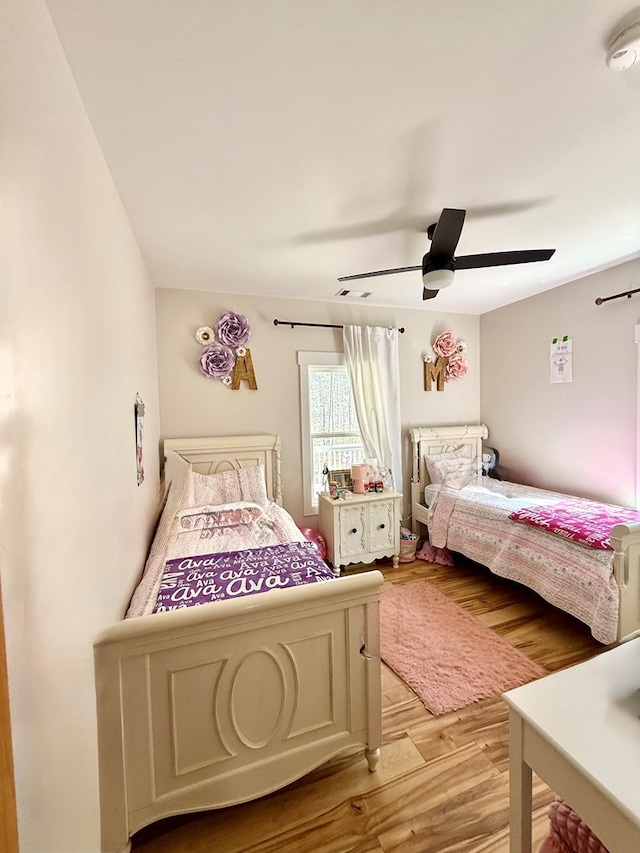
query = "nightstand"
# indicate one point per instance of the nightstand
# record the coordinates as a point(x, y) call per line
point(362, 528)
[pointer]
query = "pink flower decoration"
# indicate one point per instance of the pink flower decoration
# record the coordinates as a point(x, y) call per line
point(456, 368)
point(445, 344)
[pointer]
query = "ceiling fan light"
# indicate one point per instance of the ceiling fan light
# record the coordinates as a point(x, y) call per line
point(437, 279)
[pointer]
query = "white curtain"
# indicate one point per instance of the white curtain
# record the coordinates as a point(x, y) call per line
point(371, 356)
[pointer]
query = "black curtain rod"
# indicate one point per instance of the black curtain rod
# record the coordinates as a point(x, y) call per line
point(317, 325)
point(627, 293)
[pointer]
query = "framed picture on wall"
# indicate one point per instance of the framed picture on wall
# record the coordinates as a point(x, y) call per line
point(342, 478)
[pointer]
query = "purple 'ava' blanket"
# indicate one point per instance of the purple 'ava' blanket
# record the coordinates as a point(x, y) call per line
point(188, 581)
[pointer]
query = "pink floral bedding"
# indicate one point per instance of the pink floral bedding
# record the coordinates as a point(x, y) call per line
point(474, 521)
point(578, 519)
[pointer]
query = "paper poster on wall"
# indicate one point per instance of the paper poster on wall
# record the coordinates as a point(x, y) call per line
point(560, 357)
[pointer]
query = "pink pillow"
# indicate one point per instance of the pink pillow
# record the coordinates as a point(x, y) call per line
point(569, 833)
point(317, 539)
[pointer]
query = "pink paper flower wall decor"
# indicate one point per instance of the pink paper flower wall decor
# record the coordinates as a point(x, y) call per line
point(450, 362)
point(445, 344)
point(456, 368)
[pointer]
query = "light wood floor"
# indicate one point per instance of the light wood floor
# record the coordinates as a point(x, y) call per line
point(442, 782)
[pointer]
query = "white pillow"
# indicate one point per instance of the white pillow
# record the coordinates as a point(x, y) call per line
point(241, 484)
point(433, 460)
point(454, 473)
point(208, 518)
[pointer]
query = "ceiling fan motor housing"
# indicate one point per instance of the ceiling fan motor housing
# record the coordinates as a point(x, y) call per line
point(625, 49)
point(437, 272)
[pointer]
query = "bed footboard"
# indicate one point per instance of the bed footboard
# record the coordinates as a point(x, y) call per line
point(215, 705)
point(625, 539)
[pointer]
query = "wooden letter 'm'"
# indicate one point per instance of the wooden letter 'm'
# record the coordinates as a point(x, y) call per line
point(434, 370)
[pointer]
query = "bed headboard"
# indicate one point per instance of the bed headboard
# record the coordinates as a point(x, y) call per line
point(439, 439)
point(224, 452)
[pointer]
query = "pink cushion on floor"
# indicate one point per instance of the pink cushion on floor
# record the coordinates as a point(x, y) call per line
point(549, 845)
point(569, 833)
point(441, 556)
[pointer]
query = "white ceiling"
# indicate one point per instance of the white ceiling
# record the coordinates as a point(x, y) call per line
point(267, 147)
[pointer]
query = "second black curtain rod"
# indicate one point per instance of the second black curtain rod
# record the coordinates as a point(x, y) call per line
point(627, 293)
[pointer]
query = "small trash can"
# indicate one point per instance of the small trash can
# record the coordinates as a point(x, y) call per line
point(408, 545)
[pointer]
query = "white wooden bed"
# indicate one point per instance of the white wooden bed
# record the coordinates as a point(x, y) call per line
point(501, 548)
point(209, 706)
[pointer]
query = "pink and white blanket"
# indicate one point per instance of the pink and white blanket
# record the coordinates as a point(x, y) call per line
point(475, 521)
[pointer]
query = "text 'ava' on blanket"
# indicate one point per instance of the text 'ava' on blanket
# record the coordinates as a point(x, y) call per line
point(189, 581)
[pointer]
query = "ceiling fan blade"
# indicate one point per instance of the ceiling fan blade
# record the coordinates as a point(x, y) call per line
point(499, 259)
point(386, 225)
point(447, 233)
point(401, 220)
point(429, 294)
point(378, 272)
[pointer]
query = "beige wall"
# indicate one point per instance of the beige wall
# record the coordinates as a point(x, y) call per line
point(77, 341)
point(578, 437)
point(192, 404)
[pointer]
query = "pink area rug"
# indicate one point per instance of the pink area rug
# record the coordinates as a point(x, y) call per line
point(444, 653)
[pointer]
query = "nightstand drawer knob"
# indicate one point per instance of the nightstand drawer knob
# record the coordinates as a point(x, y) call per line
point(382, 527)
point(354, 530)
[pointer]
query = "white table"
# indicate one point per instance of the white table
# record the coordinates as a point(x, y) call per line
point(579, 730)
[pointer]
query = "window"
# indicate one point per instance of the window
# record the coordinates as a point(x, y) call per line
point(330, 433)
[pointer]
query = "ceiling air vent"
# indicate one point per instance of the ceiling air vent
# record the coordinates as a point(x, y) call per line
point(354, 294)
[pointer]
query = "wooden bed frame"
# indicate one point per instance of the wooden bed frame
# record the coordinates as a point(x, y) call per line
point(210, 706)
point(625, 538)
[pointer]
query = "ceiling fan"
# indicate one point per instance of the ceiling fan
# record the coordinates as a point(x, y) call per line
point(439, 264)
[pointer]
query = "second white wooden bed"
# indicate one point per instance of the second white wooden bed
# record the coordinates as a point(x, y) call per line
point(214, 705)
point(547, 563)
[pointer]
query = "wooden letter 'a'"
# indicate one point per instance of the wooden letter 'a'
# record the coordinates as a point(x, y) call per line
point(243, 372)
point(434, 371)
